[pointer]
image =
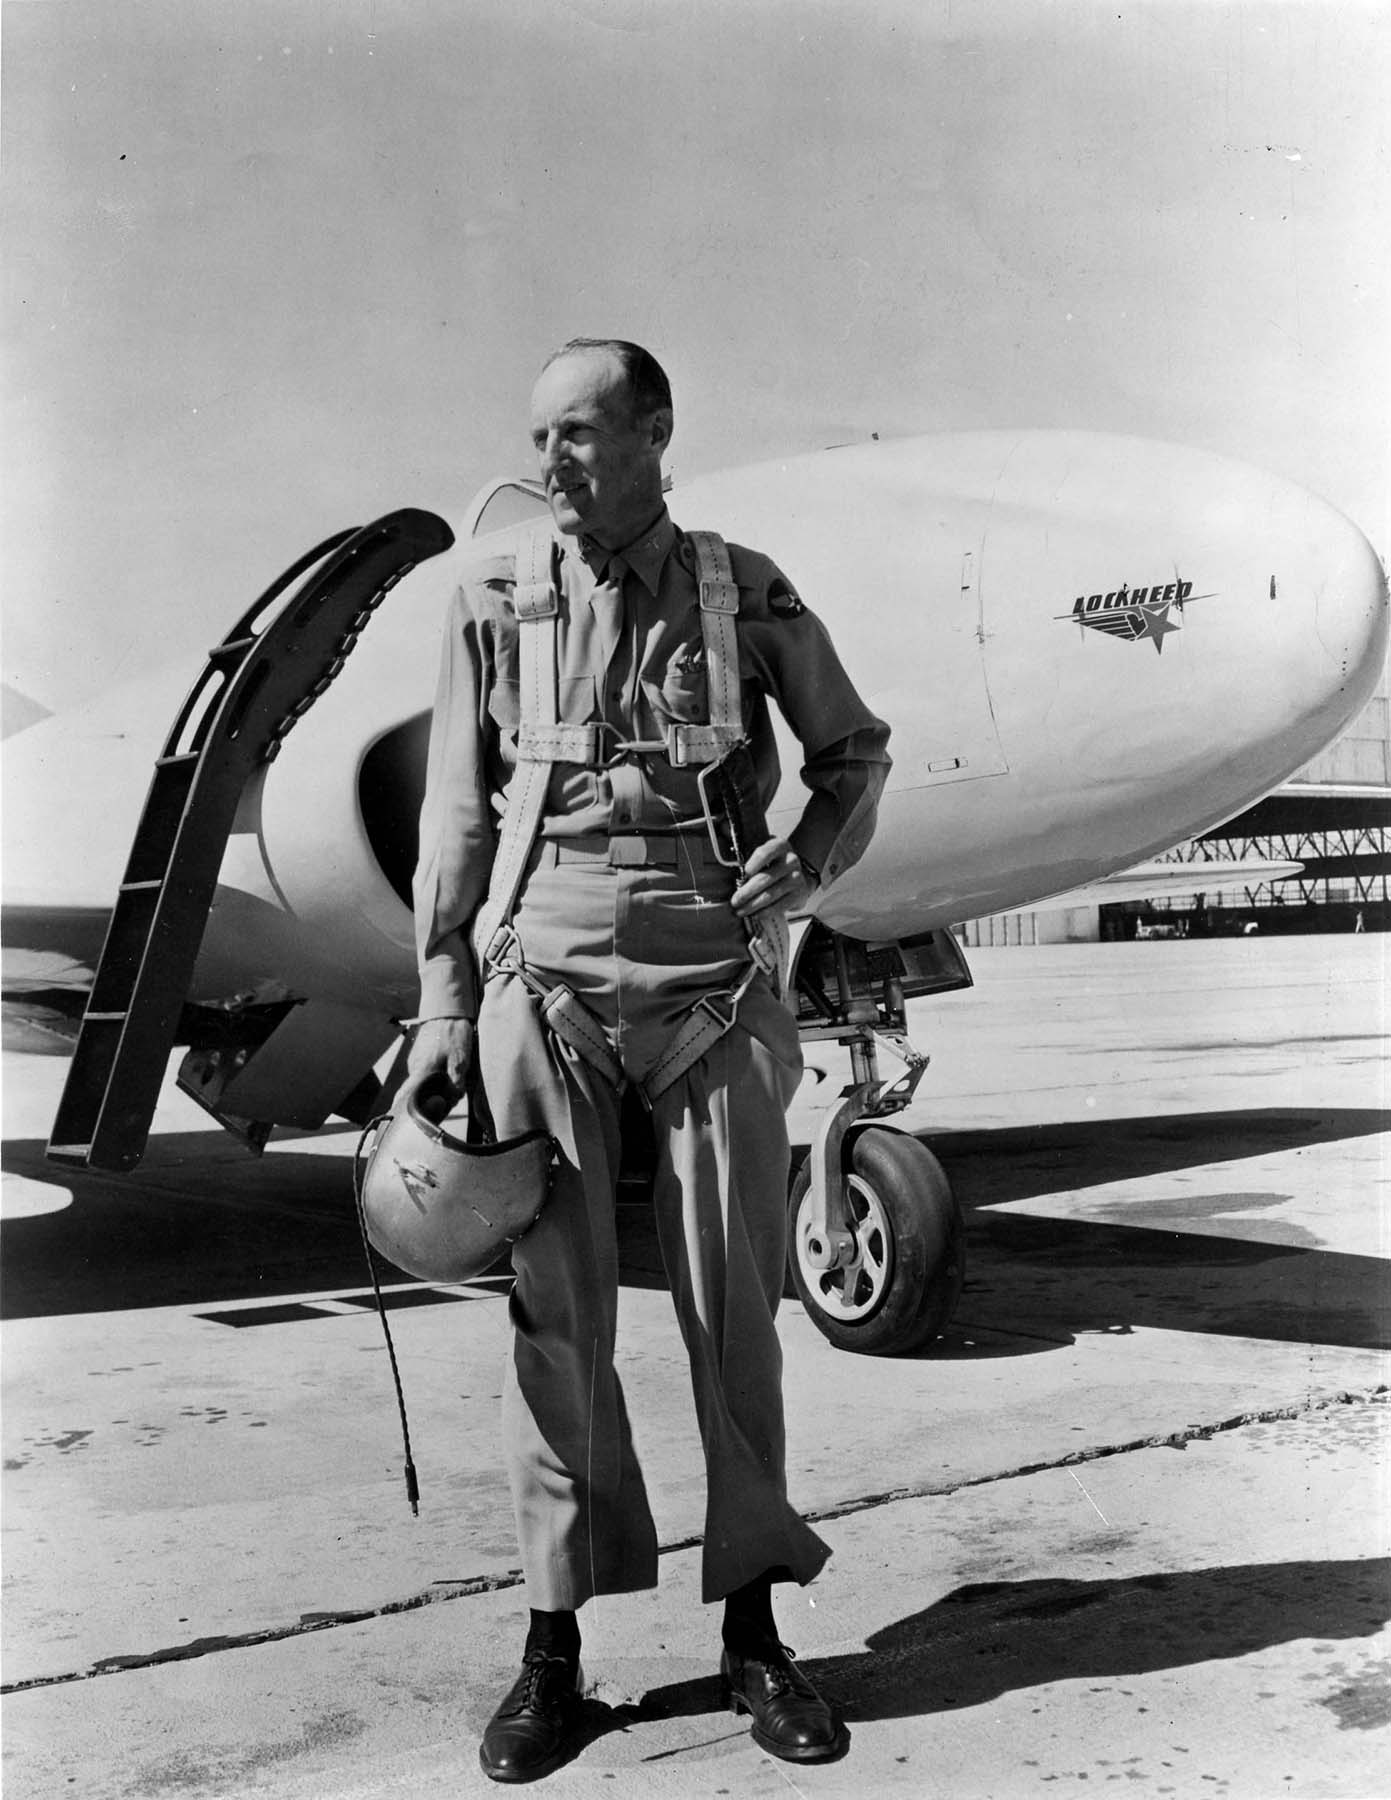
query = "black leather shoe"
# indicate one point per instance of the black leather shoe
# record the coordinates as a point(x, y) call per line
point(790, 1719)
point(529, 1733)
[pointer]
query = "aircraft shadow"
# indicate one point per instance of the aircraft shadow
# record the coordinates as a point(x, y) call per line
point(1019, 1162)
point(993, 1638)
point(203, 1222)
point(1176, 1262)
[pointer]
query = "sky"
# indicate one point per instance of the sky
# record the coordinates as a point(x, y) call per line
point(276, 267)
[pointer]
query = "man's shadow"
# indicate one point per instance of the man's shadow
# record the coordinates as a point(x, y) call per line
point(990, 1638)
point(987, 1639)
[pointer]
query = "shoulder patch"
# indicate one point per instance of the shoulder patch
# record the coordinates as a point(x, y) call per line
point(783, 600)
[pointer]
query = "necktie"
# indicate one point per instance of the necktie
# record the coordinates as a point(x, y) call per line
point(624, 778)
point(607, 601)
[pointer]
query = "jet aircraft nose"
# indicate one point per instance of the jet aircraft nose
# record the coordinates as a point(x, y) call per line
point(1215, 601)
point(1089, 647)
point(1169, 634)
point(1350, 604)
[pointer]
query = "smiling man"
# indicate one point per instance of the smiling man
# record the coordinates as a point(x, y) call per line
point(596, 460)
point(579, 935)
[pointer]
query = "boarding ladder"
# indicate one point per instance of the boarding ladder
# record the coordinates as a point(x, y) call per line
point(265, 674)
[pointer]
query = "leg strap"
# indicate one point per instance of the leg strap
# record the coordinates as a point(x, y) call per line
point(571, 1020)
point(702, 1028)
point(560, 1007)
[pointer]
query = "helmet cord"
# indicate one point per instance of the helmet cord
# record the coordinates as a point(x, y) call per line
point(412, 1484)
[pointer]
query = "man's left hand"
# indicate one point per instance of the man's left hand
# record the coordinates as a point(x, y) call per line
point(773, 876)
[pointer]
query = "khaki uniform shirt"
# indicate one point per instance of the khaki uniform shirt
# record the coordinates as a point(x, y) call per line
point(631, 652)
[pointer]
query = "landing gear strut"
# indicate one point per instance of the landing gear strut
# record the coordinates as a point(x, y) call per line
point(875, 1237)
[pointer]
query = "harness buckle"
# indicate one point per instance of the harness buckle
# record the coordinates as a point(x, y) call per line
point(499, 951)
point(622, 747)
point(719, 596)
point(711, 1003)
point(765, 954)
point(504, 957)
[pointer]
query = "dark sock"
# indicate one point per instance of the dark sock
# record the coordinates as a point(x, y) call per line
point(557, 1633)
point(748, 1617)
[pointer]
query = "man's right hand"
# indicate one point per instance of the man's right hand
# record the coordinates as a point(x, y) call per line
point(443, 1045)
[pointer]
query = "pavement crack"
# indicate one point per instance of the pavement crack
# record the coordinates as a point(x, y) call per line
point(1171, 1440)
point(274, 1634)
point(470, 1588)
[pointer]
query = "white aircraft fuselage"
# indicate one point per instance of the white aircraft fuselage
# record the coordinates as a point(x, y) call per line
point(1089, 648)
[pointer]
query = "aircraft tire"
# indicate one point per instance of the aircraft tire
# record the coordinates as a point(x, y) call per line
point(904, 1287)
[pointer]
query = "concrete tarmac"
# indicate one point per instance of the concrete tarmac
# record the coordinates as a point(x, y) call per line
point(1124, 1526)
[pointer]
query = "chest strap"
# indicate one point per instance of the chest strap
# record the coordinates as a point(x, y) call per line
point(541, 737)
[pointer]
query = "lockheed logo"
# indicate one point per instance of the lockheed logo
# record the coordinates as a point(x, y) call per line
point(1134, 613)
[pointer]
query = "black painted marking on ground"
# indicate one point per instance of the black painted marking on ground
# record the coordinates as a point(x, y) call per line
point(393, 1298)
point(283, 1312)
point(493, 1584)
point(286, 1312)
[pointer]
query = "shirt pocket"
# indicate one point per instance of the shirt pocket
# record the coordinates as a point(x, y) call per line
point(576, 701)
point(680, 697)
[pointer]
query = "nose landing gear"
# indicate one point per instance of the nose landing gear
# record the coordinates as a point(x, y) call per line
point(876, 1244)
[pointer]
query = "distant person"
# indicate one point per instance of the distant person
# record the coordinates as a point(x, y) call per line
point(598, 943)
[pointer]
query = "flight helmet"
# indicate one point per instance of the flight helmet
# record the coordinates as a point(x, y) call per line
point(440, 1208)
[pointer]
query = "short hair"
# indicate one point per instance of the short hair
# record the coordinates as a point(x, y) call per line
point(648, 387)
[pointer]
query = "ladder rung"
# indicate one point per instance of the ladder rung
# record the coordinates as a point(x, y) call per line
point(233, 650)
point(180, 761)
point(69, 1152)
point(103, 1018)
point(139, 887)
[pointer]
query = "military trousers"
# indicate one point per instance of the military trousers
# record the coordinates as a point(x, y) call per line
point(639, 945)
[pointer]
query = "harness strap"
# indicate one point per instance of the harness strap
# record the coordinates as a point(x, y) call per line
point(542, 741)
point(583, 744)
point(719, 611)
point(597, 745)
point(770, 955)
point(561, 1008)
point(541, 738)
point(703, 1026)
point(536, 599)
point(769, 951)
point(569, 1018)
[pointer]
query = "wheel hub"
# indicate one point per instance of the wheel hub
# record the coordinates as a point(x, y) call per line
point(856, 1290)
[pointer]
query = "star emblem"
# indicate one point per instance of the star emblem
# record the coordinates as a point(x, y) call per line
point(1155, 624)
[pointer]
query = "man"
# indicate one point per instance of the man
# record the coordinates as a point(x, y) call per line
point(598, 941)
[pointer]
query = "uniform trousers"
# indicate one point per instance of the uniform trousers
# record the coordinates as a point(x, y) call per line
point(639, 945)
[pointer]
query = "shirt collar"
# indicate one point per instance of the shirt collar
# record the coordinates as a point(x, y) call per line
point(645, 556)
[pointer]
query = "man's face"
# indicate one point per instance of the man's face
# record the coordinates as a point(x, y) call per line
point(601, 467)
